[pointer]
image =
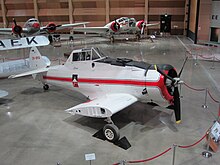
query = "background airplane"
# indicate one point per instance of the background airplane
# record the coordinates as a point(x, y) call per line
point(32, 27)
point(112, 84)
point(118, 26)
point(19, 66)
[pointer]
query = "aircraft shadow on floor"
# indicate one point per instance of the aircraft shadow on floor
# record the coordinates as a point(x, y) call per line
point(35, 90)
point(138, 113)
point(5, 101)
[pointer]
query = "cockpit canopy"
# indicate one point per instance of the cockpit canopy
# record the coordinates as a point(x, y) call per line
point(32, 20)
point(86, 54)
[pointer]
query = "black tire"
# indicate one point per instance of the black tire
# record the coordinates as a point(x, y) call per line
point(138, 37)
point(112, 39)
point(111, 132)
point(46, 87)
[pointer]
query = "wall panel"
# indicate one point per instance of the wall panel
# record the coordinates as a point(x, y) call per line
point(96, 11)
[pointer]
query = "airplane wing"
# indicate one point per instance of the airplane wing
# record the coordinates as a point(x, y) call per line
point(97, 30)
point(6, 30)
point(23, 42)
point(9, 30)
point(64, 26)
point(152, 24)
point(3, 93)
point(36, 71)
point(104, 106)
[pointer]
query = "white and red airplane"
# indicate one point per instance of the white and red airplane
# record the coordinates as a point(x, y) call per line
point(32, 27)
point(118, 26)
point(111, 84)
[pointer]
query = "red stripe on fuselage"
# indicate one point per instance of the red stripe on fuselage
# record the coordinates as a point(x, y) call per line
point(159, 83)
point(104, 81)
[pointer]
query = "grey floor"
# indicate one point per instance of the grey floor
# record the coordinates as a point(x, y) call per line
point(34, 129)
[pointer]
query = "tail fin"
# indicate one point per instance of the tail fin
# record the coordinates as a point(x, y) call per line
point(37, 61)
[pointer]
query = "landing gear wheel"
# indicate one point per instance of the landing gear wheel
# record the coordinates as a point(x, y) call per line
point(138, 36)
point(50, 38)
point(111, 132)
point(112, 39)
point(46, 87)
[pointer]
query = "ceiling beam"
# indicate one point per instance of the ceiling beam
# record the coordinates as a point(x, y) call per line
point(5, 22)
point(35, 9)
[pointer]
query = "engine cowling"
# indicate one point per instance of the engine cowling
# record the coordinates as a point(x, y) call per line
point(115, 26)
point(51, 27)
point(140, 24)
point(16, 29)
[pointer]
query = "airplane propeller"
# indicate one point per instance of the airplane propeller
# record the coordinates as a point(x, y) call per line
point(17, 29)
point(176, 96)
point(52, 27)
point(116, 25)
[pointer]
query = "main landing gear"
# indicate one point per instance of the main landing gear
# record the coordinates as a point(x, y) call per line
point(138, 37)
point(50, 38)
point(46, 87)
point(111, 131)
point(112, 39)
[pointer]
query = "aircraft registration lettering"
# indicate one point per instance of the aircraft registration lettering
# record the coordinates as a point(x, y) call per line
point(36, 58)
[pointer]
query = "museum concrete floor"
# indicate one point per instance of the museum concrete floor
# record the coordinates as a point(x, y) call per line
point(35, 129)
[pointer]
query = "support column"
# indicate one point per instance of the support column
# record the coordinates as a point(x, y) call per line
point(35, 9)
point(107, 11)
point(146, 10)
point(70, 11)
point(4, 13)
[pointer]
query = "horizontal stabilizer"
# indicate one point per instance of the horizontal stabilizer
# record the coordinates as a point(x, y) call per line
point(104, 106)
point(36, 71)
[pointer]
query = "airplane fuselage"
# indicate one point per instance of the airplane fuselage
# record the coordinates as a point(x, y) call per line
point(95, 78)
point(33, 26)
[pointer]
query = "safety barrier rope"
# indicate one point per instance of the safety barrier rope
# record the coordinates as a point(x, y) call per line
point(162, 153)
point(213, 97)
point(149, 159)
point(201, 89)
point(192, 145)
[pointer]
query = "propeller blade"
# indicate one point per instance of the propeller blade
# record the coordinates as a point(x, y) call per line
point(177, 110)
point(142, 30)
point(14, 21)
point(183, 66)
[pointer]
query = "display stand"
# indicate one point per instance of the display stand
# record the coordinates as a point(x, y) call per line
point(213, 137)
point(212, 144)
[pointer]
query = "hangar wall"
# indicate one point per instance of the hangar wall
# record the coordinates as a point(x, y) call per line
point(98, 12)
point(204, 20)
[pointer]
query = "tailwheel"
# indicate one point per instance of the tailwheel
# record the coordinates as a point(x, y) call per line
point(111, 132)
point(46, 87)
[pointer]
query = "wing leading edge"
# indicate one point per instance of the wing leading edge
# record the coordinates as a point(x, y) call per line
point(104, 106)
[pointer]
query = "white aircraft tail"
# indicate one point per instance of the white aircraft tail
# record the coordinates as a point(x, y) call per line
point(38, 64)
point(37, 61)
